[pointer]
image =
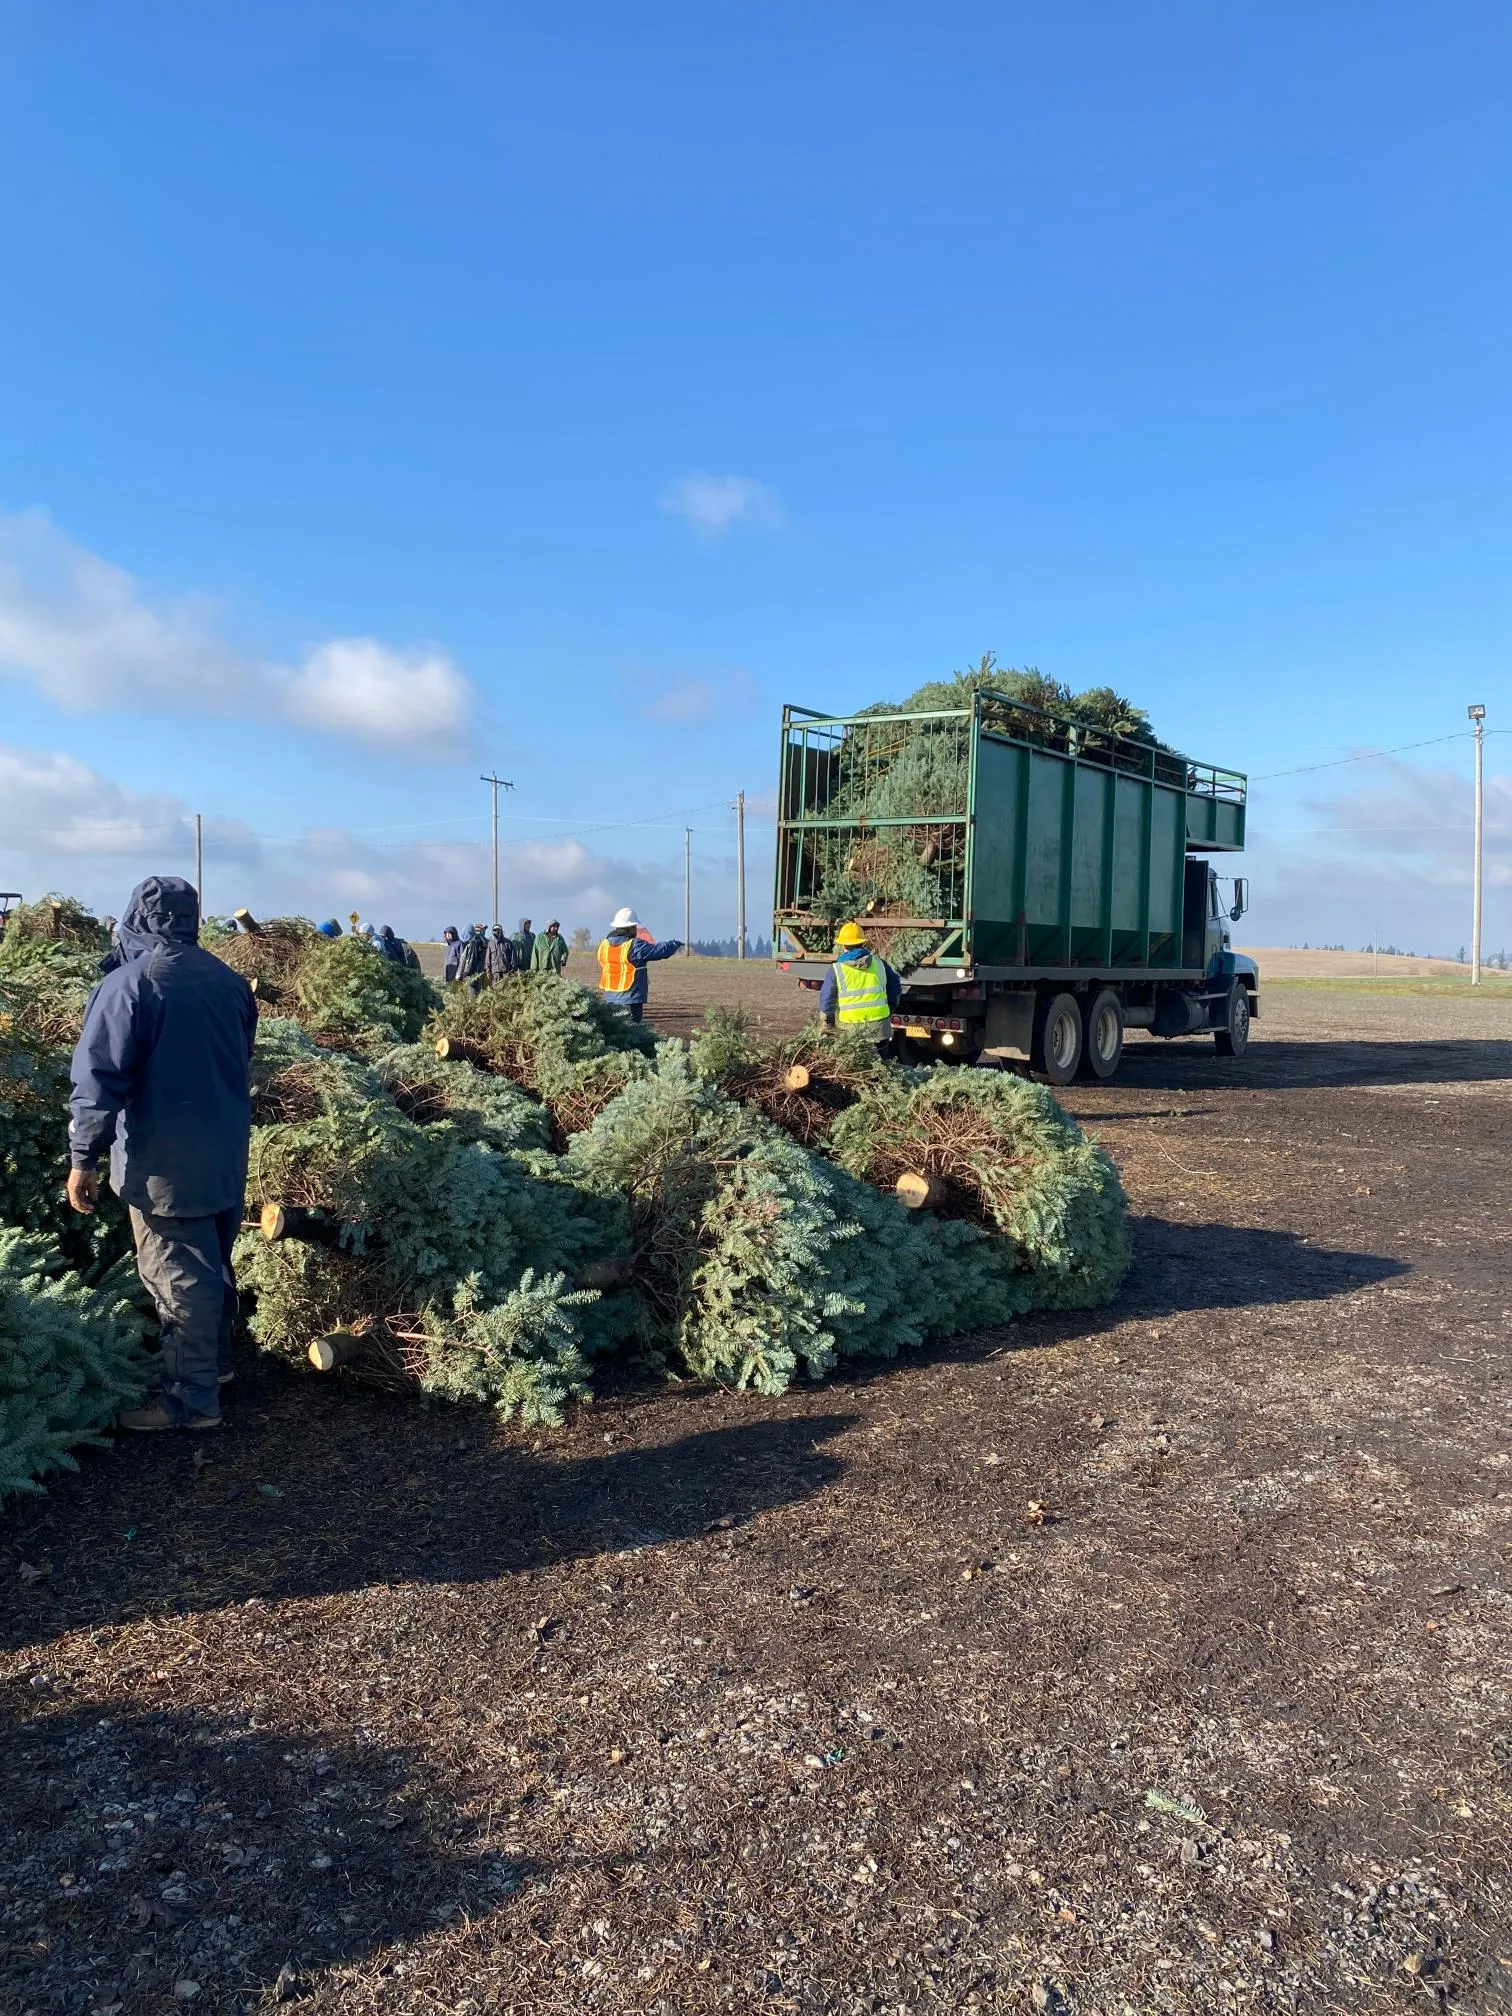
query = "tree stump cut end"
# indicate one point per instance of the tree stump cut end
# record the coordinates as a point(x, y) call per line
point(334, 1349)
point(919, 1192)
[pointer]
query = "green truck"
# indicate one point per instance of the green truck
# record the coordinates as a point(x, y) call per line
point(1041, 885)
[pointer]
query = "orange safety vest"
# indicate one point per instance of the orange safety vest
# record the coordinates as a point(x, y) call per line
point(616, 974)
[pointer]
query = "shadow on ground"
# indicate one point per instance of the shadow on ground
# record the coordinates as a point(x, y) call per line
point(320, 1490)
point(149, 1850)
point(1183, 1267)
point(1194, 1066)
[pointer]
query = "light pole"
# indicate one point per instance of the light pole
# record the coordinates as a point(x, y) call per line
point(687, 892)
point(740, 930)
point(1478, 716)
point(498, 783)
point(199, 864)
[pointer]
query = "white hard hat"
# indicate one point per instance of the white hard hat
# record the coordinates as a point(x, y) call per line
point(625, 920)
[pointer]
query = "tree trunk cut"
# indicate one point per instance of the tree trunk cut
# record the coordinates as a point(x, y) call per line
point(291, 1221)
point(248, 923)
point(334, 1349)
point(452, 1050)
point(920, 1193)
point(796, 1079)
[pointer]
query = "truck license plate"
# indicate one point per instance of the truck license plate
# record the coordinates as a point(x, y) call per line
point(913, 1029)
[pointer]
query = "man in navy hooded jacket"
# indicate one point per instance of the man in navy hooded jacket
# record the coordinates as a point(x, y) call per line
point(160, 1080)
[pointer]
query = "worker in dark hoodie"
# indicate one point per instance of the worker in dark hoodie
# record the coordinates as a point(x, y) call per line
point(160, 1081)
point(623, 956)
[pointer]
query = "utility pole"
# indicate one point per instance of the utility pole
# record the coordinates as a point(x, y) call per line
point(687, 892)
point(199, 863)
point(1478, 716)
point(740, 930)
point(499, 784)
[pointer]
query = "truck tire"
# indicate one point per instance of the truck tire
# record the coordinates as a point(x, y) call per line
point(1103, 1034)
point(1232, 1039)
point(1057, 1049)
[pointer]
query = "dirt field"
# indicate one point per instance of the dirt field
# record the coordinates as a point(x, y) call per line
point(1292, 963)
point(716, 1703)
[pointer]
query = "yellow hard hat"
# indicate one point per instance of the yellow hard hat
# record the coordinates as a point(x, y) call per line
point(850, 934)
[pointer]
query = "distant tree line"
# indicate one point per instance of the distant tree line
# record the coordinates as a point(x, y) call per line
point(726, 948)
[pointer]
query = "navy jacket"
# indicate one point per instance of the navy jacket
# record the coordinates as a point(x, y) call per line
point(829, 992)
point(160, 1070)
point(453, 946)
point(641, 955)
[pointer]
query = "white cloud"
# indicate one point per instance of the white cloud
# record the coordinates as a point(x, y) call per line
point(357, 686)
point(56, 811)
point(83, 633)
point(65, 826)
point(712, 504)
point(1388, 861)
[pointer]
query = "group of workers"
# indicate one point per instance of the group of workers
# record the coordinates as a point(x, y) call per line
point(624, 953)
point(385, 940)
point(161, 1086)
point(860, 991)
point(484, 956)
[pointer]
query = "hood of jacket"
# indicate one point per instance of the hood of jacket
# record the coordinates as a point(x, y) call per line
point(163, 910)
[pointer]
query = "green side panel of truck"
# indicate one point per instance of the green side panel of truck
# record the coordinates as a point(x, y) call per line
point(1067, 849)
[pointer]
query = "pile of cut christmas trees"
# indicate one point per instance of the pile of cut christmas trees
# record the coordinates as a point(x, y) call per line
point(486, 1198)
point(895, 794)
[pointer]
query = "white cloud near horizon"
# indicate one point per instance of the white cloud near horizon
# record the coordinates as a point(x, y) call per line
point(82, 632)
point(1389, 860)
point(713, 504)
point(65, 827)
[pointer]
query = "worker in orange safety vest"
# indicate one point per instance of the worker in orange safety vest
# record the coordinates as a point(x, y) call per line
point(623, 956)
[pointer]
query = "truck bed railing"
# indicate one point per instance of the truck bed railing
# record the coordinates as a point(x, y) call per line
point(879, 819)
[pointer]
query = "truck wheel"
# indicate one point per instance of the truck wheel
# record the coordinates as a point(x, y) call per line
point(1232, 1040)
point(1103, 1035)
point(1057, 1047)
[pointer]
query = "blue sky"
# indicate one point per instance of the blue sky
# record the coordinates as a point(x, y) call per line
point(389, 392)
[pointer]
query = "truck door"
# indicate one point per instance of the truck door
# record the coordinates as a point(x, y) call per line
point(1217, 935)
point(1196, 899)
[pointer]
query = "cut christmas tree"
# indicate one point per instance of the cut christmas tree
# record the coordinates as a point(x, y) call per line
point(800, 1082)
point(70, 1358)
point(999, 1152)
point(555, 1039)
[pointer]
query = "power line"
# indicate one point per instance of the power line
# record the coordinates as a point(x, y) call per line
point(1365, 756)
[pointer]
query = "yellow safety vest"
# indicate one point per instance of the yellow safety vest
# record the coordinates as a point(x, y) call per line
point(616, 974)
point(861, 992)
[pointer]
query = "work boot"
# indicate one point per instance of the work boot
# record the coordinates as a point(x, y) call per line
point(155, 1420)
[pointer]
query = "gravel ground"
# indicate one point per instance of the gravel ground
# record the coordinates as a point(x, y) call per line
point(1151, 1661)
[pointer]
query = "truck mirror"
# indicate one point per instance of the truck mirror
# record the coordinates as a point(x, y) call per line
point(1241, 898)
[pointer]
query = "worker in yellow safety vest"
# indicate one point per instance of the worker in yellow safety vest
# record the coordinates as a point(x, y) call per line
point(860, 991)
point(623, 957)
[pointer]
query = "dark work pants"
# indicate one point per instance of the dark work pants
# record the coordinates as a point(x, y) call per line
point(185, 1265)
